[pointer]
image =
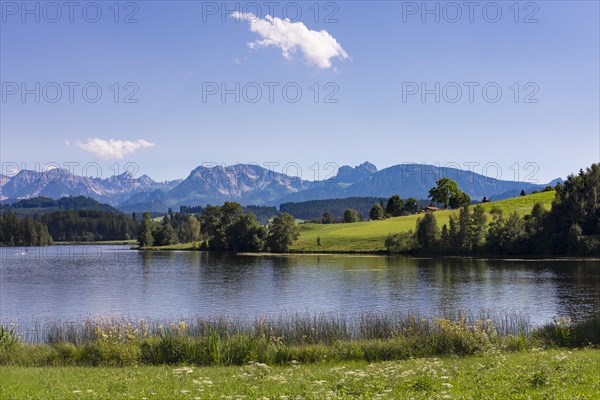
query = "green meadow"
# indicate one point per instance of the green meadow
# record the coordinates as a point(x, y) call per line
point(534, 374)
point(369, 236)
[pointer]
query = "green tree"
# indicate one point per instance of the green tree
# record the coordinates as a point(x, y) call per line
point(245, 234)
point(400, 242)
point(30, 234)
point(428, 232)
point(445, 189)
point(538, 231)
point(165, 235)
point(453, 234)
point(577, 202)
point(145, 237)
point(446, 192)
point(395, 206)
point(411, 206)
point(283, 231)
point(464, 225)
point(229, 211)
point(189, 230)
point(495, 229)
point(328, 218)
point(377, 212)
point(512, 235)
point(505, 235)
point(477, 228)
point(459, 199)
point(351, 215)
point(213, 228)
point(445, 243)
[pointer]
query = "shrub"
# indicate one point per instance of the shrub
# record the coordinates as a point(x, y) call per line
point(9, 338)
point(67, 353)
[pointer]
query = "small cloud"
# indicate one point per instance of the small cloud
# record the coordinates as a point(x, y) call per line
point(236, 61)
point(67, 142)
point(112, 148)
point(318, 47)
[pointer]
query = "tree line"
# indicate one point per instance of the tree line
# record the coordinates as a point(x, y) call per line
point(395, 206)
point(445, 193)
point(222, 228)
point(173, 228)
point(571, 227)
point(59, 226)
point(15, 231)
point(263, 213)
point(314, 210)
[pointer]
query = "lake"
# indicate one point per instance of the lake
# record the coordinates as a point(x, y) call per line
point(75, 282)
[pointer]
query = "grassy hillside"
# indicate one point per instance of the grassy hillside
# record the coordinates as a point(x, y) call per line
point(370, 235)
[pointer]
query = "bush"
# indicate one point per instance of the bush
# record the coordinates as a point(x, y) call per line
point(9, 338)
point(67, 353)
point(171, 349)
point(400, 242)
point(91, 354)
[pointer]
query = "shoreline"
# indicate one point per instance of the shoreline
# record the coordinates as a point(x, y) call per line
point(380, 253)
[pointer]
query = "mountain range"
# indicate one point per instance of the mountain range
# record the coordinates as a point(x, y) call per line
point(252, 184)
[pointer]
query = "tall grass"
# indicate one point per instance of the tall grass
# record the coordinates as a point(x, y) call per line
point(289, 328)
point(309, 337)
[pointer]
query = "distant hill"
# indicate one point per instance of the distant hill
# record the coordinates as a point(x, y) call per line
point(414, 180)
point(45, 205)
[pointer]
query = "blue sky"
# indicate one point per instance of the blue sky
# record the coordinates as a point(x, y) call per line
point(177, 52)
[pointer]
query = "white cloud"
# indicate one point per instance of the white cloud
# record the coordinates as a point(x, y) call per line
point(112, 148)
point(318, 47)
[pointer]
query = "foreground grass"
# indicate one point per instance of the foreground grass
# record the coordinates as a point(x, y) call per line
point(536, 374)
point(369, 236)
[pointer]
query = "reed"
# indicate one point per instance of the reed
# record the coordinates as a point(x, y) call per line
point(283, 338)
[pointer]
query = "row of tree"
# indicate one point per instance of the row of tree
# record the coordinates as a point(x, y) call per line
point(15, 231)
point(60, 226)
point(263, 213)
point(224, 228)
point(571, 227)
point(314, 210)
point(396, 206)
point(172, 229)
point(88, 225)
point(445, 193)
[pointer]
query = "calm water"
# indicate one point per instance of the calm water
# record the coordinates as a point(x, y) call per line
point(72, 282)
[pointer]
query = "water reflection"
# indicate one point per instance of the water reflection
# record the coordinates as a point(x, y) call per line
point(70, 282)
